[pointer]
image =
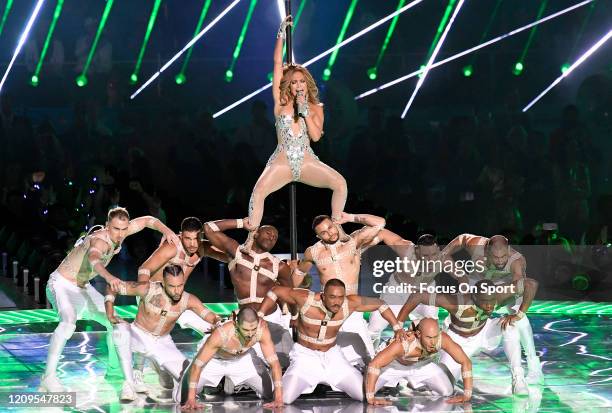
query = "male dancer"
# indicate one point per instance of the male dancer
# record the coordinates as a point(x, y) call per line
point(473, 330)
point(253, 273)
point(161, 305)
point(229, 353)
point(338, 256)
point(417, 362)
point(503, 265)
point(316, 358)
point(74, 298)
point(426, 252)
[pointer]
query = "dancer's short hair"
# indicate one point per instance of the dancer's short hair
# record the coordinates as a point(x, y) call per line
point(118, 212)
point(191, 224)
point(334, 282)
point(427, 240)
point(172, 270)
point(318, 219)
point(246, 314)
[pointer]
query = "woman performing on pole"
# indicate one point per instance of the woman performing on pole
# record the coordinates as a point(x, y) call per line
point(299, 119)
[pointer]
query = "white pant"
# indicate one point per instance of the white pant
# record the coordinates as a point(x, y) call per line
point(377, 323)
point(161, 350)
point(247, 368)
point(73, 303)
point(311, 367)
point(354, 340)
point(429, 375)
point(487, 339)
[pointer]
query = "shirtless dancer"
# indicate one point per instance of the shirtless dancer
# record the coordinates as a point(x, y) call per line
point(161, 305)
point(74, 298)
point(187, 254)
point(473, 330)
point(416, 361)
point(339, 257)
point(253, 273)
point(229, 353)
point(426, 251)
point(503, 265)
point(316, 358)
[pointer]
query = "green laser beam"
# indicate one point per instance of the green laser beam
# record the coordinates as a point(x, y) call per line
point(533, 31)
point(345, 24)
point(7, 10)
point(56, 15)
point(92, 51)
point(203, 13)
point(245, 26)
point(443, 21)
point(486, 31)
point(385, 44)
point(145, 41)
point(295, 23)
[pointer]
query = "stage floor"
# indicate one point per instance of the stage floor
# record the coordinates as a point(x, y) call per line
point(576, 351)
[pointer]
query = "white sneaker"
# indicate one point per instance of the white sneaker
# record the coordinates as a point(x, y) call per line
point(50, 383)
point(228, 386)
point(535, 377)
point(519, 387)
point(128, 392)
point(139, 384)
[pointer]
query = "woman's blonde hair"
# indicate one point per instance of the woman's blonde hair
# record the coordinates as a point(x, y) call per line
point(285, 84)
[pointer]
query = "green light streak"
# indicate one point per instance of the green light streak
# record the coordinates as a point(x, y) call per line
point(92, 51)
point(445, 17)
point(7, 10)
point(485, 32)
point(580, 32)
point(56, 14)
point(532, 33)
point(229, 74)
point(150, 25)
point(372, 72)
point(181, 78)
point(345, 24)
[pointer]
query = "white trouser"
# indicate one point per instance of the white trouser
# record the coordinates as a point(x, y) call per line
point(487, 339)
point(281, 336)
point(73, 303)
point(526, 339)
point(377, 323)
point(354, 340)
point(311, 367)
point(246, 369)
point(429, 375)
point(161, 350)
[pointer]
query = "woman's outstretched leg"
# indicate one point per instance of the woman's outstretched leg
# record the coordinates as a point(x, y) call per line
point(316, 173)
point(274, 177)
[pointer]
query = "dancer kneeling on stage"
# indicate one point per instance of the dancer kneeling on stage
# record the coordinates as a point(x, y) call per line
point(472, 328)
point(417, 362)
point(229, 353)
point(160, 307)
point(316, 358)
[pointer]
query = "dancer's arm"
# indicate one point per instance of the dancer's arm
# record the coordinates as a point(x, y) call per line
point(314, 118)
point(401, 246)
point(131, 288)
point(94, 255)
point(267, 348)
point(208, 250)
point(518, 268)
point(206, 353)
point(457, 353)
point(305, 264)
point(382, 359)
point(290, 296)
point(440, 300)
point(194, 304)
point(156, 261)
point(140, 223)
point(363, 304)
point(524, 287)
point(372, 226)
point(277, 73)
point(214, 232)
point(284, 274)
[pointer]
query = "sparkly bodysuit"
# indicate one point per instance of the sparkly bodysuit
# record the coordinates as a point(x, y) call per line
point(295, 147)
